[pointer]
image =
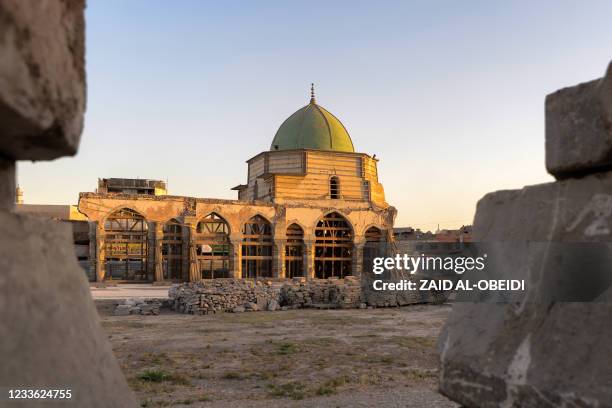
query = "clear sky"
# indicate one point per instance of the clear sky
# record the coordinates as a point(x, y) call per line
point(448, 94)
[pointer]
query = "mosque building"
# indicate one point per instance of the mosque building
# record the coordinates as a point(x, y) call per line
point(308, 208)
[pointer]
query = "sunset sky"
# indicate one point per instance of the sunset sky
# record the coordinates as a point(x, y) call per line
point(448, 94)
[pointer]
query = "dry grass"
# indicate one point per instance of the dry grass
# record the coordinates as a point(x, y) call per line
point(294, 355)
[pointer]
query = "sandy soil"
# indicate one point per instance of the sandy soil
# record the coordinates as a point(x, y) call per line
point(298, 358)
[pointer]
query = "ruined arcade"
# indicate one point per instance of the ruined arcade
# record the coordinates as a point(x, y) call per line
point(310, 206)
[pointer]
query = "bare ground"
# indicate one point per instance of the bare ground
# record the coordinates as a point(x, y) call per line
point(298, 358)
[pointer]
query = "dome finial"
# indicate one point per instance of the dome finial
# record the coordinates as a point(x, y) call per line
point(312, 94)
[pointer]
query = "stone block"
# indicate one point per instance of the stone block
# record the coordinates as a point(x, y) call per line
point(579, 128)
point(538, 352)
point(272, 305)
point(42, 78)
point(251, 306)
point(122, 310)
point(50, 330)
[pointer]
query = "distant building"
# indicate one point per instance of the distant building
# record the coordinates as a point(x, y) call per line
point(131, 186)
point(18, 195)
point(463, 234)
point(412, 234)
point(412, 241)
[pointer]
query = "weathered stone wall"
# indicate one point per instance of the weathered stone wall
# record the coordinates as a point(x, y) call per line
point(227, 295)
point(221, 295)
point(543, 352)
point(334, 293)
point(237, 295)
point(51, 336)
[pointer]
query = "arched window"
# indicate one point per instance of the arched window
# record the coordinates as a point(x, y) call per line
point(334, 188)
point(373, 234)
point(294, 250)
point(257, 248)
point(333, 247)
point(126, 246)
point(213, 247)
point(172, 251)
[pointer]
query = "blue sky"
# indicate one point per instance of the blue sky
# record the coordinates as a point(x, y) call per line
point(448, 94)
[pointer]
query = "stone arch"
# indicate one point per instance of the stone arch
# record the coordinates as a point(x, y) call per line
point(121, 207)
point(257, 247)
point(343, 215)
point(294, 251)
point(253, 215)
point(333, 248)
point(126, 246)
point(219, 215)
point(374, 233)
point(374, 246)
point(213, 246)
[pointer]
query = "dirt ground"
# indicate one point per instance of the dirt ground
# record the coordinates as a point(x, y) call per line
point(297, 358)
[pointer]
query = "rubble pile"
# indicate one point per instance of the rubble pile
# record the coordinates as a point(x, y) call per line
point(223, 295)
point(237, 295)
point(138, 307)
point(337, 293)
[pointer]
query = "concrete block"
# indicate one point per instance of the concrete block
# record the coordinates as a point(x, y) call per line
point(42, 78)
point(50, 330)
point(579, 128)
point(539, 352)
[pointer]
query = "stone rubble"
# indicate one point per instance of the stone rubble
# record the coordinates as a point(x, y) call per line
point(138, 306)
point(221, 295)
point(237, 296)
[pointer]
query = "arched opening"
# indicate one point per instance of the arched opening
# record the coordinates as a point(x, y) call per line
point(213, 247)
point(172, 252)
point(373, 247)
point(334, 188)
point(333, 247)
point(257, 248)
point(294, 251)
point(126, 247)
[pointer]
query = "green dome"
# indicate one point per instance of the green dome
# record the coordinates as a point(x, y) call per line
point(312, 127)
